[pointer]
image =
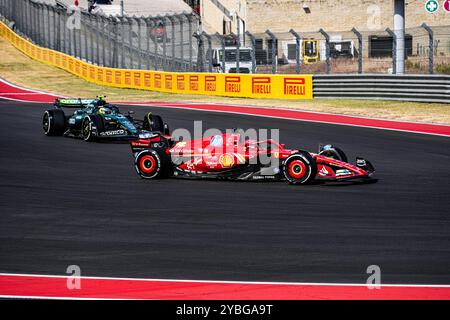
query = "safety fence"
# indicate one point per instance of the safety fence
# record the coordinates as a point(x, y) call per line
point(237, 85)
point(177, 43)
point(153, 43)
point(427, 50)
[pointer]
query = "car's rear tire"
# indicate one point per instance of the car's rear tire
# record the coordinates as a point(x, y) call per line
point(334, 153)
point(152, 164)
point(153, 123)
point(54, 122)
point(299, 168)
point(91, 127)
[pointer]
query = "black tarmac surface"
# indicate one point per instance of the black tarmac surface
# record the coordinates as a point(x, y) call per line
point(67, 202)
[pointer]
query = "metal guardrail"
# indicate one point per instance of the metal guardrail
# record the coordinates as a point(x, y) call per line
point(420, 88)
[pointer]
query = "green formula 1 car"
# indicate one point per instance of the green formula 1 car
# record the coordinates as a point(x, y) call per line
point(95, 119)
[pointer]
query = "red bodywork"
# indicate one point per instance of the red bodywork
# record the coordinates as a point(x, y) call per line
point(224, 152)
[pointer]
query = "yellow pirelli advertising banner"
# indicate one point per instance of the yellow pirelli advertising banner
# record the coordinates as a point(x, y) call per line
point(214, 84)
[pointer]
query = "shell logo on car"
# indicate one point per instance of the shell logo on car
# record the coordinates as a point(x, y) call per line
point(226, 160)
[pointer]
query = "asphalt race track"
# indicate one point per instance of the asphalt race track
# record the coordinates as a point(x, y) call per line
point(67, 202)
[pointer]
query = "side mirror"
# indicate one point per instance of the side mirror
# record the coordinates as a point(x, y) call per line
point(130, 112)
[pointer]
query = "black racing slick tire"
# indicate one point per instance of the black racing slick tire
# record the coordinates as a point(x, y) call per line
point(153, 123)
point(299, 168)
point(54, 122)
point(91, 127)
point(334, 153)
point(152, 164)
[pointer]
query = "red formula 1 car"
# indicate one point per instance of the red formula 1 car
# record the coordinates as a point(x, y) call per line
point(230, 156)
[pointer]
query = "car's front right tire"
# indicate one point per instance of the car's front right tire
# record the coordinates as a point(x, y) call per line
point(299, 168)
point(91, 127)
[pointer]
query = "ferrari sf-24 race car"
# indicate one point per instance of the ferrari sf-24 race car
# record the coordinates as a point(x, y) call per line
point(231, 156)
point(95, 119)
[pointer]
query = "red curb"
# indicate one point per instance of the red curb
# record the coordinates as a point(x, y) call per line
point(116, 288)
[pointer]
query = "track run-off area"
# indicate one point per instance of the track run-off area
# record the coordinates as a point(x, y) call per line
point(66, 202)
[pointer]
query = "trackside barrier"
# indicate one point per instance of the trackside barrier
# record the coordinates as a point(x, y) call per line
point(229, 85)
point(408, 87)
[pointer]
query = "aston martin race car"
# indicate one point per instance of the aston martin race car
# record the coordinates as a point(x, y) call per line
point(95, 119)
point(233, 157)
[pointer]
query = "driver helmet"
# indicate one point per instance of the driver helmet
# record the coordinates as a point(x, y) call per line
point(104, 110)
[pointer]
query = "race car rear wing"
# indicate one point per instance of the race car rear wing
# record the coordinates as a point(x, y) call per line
point(74, 103)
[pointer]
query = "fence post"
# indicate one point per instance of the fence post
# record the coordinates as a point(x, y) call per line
point(188, 16)
point(32, 24)
point(164, 38)
point(18, 17)
point(360, 50)
point(139, 21)
point(80, 42)
point(238, 50)
point(91, 38)
point(147, 43)
point(172, 22)
point(103, 29)
point(327, 50)
point(65, 31)
point(200, 66)
point(85, 34)
point(222, 44)
point(48, 23)
point(122, 42)
point(53, 9)
point(39, 24)
point(44, 22)
point(148, 26)
point(28, 18)
point(130, 41)
point(97, 38)
point(115, 51)
point(13, 10)
point(253, 40)
point(297, 50)
point(208, 38)
point(109, 40)
point(274, 57)
point(181, 22)
point(394, 50)
point(74, 38)
point(155, 41)
point(430, 47)
point(238, 45)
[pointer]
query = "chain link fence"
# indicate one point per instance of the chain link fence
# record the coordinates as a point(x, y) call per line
point(427, 50)
point(157, 43)
point(175, 43)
